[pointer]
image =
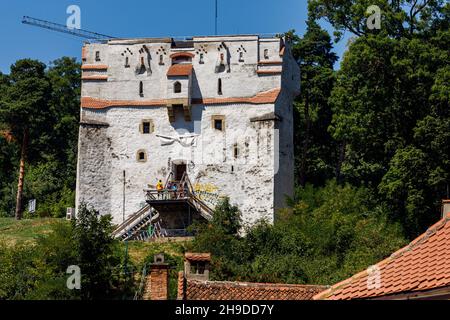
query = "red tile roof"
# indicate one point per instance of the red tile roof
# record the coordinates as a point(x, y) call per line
point(261, 98)
point(182, 54)
point(197, 256)
point(94, 67)
point(180, 70)
point(269, 72)
point(422, 265)
point(93, 103)
point(217, 290)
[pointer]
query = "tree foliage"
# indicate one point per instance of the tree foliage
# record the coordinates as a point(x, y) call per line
point(329, 234)
point(39, 272)
point(45, 103)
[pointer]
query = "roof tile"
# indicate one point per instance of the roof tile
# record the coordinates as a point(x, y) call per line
point(180, 70)
point(215, 290)
point(422, 265)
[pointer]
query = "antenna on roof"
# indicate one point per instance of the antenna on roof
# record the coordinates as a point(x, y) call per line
point(216, 20)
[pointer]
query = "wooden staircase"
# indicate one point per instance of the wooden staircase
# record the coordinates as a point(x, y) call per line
point(165, 209)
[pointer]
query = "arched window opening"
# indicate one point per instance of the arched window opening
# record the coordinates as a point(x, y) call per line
point(141, 156)
point(266, 53)
point(127, 62)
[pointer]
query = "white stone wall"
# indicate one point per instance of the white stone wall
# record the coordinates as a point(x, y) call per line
point(256, 181)
point(123, 83)
point(247, 180)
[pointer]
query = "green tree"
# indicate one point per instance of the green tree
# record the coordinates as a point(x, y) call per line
point(391, 91)
point(315, 156)
point(400, 18)
point(24, 111)
point(52, 179)
point(96, 254)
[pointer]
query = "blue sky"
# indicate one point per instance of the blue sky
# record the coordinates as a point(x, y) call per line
point(139, 18)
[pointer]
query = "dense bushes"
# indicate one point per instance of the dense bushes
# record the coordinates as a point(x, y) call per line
point(330, 233)
point(39, 271)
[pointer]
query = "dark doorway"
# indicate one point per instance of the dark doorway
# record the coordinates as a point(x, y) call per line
point(180, 169)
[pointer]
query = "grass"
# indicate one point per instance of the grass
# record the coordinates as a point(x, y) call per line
point(26, 231)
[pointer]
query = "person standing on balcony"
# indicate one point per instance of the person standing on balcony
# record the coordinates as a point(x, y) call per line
point(159, 188)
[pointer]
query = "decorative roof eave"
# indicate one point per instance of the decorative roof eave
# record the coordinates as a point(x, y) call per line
point(94, 67)
point(182, 54)
point(94, 78)
point(180, 70)
point(190, 256)
point(269, 72)
point(266, 97)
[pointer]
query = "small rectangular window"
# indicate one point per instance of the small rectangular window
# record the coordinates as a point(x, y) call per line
point(219, 87)
point(146, 127)
point(97, 55)
point(218, 124)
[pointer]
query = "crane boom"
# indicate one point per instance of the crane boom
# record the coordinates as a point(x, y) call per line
point(64, 29)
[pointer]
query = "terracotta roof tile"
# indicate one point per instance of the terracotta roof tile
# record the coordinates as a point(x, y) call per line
point(422, 265)
point(269, 72)
point(216, 290)
point(266, 97)
point(178, 70)
point(95, 77)
point(182, 54)
point(94, 67)
point(197, 256)
point(261, 98)
point(93, 103)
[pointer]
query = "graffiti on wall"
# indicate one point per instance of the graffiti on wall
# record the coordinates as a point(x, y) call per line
point(208, 193)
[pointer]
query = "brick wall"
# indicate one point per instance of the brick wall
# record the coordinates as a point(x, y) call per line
point(157, 286)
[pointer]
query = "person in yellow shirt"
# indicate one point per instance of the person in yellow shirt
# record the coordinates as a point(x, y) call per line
point(159, 188)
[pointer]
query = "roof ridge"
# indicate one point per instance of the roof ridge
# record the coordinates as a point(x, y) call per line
point(399, 253)
point(293, 285)
point(423, 237)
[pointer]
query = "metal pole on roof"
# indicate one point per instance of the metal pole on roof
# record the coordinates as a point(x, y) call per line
point(216, 19)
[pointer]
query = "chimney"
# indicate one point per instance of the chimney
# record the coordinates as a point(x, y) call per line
point(158, 286)
point(196, 266)
point(445, 208)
